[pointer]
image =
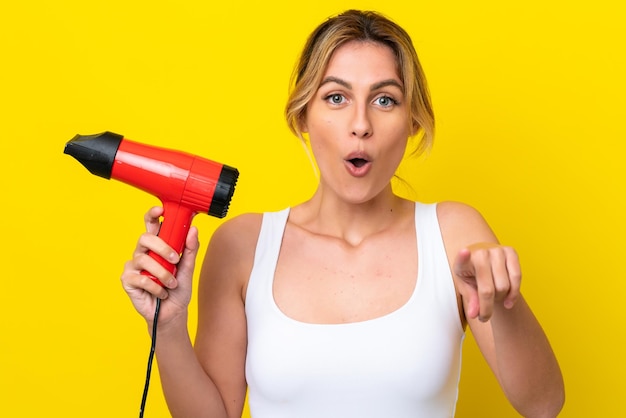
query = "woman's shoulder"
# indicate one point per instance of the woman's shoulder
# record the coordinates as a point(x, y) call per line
point(453, 211)
point(239, 230)
point(230, 254)
point(462, 222)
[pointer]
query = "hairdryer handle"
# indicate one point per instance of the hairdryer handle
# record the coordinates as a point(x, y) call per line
point(174, 228)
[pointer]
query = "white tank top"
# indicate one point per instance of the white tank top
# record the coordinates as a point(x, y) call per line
point(400, 365)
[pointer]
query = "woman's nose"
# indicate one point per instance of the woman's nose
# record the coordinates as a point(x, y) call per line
point(361, 124)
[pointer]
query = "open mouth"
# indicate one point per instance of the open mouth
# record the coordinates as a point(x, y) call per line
point(358, 162)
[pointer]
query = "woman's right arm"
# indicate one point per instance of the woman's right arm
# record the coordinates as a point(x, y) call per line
point(208, 381)
point(221, 337)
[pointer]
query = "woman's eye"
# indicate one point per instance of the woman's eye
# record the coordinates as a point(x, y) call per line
point(385, 101)
point(335, 98)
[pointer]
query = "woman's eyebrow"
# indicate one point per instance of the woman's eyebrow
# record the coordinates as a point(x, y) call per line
point(385, 83)
point(376, 86)
point(331, 79)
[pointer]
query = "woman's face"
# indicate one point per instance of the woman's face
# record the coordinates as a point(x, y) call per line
point(358, 121)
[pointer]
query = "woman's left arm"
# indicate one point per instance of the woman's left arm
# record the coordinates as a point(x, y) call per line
point(487, 277)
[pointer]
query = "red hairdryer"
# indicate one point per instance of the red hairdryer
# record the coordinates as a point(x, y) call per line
point(186, 184)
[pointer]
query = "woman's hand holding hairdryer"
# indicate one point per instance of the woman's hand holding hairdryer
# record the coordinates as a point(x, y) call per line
point(142, 291)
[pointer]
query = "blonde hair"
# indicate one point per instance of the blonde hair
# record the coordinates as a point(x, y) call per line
point(364, 26)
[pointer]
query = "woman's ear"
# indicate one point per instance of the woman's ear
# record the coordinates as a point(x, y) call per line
point(415, 128)
point(302, 124)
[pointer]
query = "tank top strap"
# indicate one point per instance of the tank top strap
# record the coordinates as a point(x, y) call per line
point(265, 260)
point(434, 266)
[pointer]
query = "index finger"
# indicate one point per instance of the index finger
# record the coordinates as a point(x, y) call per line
point(485, 285)
point(152, 219)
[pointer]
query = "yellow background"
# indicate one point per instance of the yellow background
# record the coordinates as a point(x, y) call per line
point(530, 102)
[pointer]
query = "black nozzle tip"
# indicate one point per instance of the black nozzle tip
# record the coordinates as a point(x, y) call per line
point(95, 152)
point(224, 190)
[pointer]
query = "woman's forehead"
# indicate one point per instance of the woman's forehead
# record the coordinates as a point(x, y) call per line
point(363, 62)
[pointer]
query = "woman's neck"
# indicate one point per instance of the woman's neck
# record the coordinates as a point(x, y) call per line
point(327, 214)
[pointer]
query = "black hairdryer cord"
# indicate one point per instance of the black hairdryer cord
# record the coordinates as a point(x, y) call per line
point(150, 358)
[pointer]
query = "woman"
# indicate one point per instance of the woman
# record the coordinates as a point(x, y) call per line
point(355, 302)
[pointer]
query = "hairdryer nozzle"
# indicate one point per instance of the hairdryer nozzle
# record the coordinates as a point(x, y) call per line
point(95, 152)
